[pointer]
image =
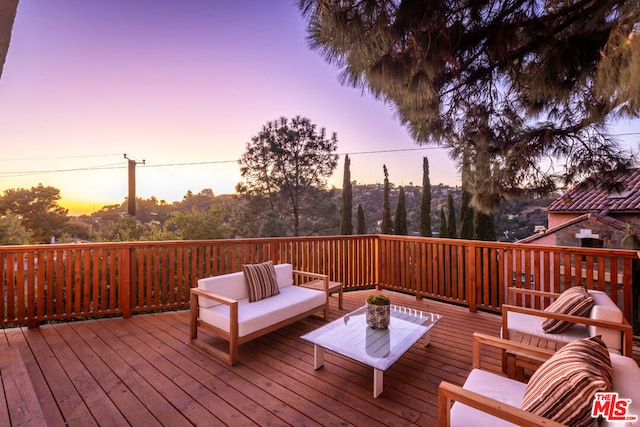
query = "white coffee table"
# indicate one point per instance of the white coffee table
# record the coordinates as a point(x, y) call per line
point(378, 348)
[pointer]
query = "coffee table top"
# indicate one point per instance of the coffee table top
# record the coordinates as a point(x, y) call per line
point(378, 348)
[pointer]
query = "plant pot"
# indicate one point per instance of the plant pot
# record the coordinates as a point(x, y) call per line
point(378, 316)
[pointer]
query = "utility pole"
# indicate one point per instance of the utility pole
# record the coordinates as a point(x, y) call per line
point(131, 198)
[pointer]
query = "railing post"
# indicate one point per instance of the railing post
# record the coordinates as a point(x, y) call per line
point(125, 281)
point(471, 278)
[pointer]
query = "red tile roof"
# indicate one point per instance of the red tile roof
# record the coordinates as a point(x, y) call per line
point(576, 201)
point(607, 220)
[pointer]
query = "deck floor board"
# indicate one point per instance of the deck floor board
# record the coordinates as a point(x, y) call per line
point(143, 371)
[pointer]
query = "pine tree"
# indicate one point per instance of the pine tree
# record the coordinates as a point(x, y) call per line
point(361, 225)
point(549, 76)
point(443, 231)
point(451, 217)
point(387, 225)
point(400, 225)
point(425, 201)
point(346, 223)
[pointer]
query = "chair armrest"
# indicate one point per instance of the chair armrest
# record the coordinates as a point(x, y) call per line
point(530, 351)
point(567, 317)
point(448, 393)
point(624, 326)
point(513, 291)
point(322, 277)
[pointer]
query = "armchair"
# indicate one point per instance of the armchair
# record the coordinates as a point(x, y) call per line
point(524, 324)
point(490, 399)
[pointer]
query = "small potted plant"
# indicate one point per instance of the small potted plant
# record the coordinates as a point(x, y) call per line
point(378, 311)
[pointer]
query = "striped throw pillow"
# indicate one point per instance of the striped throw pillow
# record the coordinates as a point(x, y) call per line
point(563, 388)
point(575, 301)
point(261, 280)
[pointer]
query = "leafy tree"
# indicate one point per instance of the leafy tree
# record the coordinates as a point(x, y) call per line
point(12, 232)
point(425, 201)
point(443, 230)
point(362, 229)
point(285, 161)
point(200, 225)
point(387, 225)
point(127, 229)
point(400, 224)
point(545, 77)
point(451, 217)
point(39, 209)
point(346, 223)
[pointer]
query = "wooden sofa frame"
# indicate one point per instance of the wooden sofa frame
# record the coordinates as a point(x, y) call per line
point(232, 336)
point(624, 327)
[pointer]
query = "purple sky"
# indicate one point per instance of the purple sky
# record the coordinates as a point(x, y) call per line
point(183, 85)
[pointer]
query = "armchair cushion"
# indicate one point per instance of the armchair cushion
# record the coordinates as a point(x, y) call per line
point(261, 280)
point(574, 301)
point(563, 388)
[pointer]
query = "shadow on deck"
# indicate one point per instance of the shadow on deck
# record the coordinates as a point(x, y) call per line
point(141, 371)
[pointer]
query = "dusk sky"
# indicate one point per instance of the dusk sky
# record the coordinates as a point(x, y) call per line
point(184, 86)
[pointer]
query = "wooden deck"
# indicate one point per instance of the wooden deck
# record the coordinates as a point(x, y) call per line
point(141, 371)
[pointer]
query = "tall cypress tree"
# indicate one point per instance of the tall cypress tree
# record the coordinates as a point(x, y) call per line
point(425, 201)
point(466, 211)
point(451, 217)
point(443, 230)
point(387, 225)
point(485, 228)
point(362, 229)
point(346, 223)
point(400, 225)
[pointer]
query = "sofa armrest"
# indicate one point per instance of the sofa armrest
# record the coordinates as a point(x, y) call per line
point(448, 393)
point(322, 277)
point(233, 310)
point(218, 298)
point(624, 327)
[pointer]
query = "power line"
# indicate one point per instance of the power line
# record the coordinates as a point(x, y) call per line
point(23, 159)
point(211, 162)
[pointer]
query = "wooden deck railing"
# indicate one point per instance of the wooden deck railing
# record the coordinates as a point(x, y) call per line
point(53, 282)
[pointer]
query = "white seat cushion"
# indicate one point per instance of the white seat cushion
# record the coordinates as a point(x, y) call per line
point(291, 301)
point(490, 385)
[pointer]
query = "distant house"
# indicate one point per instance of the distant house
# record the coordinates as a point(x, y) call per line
point(594, 218)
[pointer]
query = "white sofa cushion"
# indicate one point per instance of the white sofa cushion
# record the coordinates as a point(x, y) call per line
point(605, 309)
point(490, 385)
point(230, 285)
point(284, 274)
point(531, 325)
point(291, 300)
